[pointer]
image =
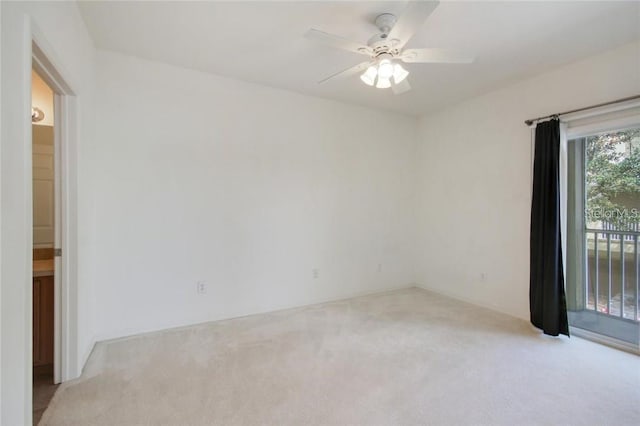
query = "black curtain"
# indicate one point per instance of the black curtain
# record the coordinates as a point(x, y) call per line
point(547, 301)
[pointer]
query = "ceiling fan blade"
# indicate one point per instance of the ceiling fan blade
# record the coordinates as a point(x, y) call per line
point(401, 87)
point(411, 20)
point(430, 56)
point(338, 42)
point(348, 72)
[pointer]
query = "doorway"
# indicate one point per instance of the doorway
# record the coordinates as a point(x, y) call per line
point(603, 268)
point(25, 47)
point(43, 245)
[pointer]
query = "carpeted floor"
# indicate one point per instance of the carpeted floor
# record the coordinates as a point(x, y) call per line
point(401, 358)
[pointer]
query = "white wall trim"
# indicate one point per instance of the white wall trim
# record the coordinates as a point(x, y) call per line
point(617, 120)
point(16, 287)
point(85, 357)
point(45, 62)
point(19, 35)
point(618, 116)
point(599, 111)
point(1, 381)
point(294, 307)
point(470, 301)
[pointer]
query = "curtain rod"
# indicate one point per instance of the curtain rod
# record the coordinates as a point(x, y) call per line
point(530, 121)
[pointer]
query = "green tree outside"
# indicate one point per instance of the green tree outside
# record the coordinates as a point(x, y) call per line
point(613, 179)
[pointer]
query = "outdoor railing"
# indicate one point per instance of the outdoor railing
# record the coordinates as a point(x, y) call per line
point(613, 273)
point(634, 227)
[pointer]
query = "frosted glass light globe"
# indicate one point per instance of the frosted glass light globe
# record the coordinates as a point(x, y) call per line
point(385, 69)
point(399, 73)
point(383, 83)
point(369, 76)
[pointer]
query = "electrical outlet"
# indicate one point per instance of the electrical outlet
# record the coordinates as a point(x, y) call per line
point(201, 287)
point(316, 274)
point(379, 267)
point(483, 276)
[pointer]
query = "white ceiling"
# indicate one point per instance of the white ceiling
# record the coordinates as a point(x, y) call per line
point(263, 42)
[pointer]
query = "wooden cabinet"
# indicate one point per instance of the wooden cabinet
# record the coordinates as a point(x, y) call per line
point(43, 295)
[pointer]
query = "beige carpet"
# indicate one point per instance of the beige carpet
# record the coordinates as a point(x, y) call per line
point(401, 358)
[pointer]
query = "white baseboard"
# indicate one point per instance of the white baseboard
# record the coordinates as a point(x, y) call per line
point(106, 338)
point(85, 357)
point(574, 331)
point(474, 302)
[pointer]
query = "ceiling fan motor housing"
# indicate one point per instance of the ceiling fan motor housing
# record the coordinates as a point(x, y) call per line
point(380, 42)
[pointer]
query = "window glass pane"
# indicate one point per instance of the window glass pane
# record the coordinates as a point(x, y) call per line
point(612, 189)
point(603, 268)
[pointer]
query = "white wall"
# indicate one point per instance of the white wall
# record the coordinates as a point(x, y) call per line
point(60, 25)
point(475, 179)
point(43, 190)
point(196, 177)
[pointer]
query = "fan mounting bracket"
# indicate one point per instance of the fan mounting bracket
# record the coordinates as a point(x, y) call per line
point(385, 23)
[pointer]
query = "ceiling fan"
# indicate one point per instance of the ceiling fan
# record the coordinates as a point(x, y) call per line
point(386, 50)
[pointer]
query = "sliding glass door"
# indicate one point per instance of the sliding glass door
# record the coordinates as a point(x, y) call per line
point(603, 262)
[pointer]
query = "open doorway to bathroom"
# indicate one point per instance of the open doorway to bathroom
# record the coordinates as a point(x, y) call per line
point(44, 224)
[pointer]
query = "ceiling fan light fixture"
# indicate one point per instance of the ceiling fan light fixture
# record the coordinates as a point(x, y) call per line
point(385, 69)
point(369, 76)
point(399, 73)
point(36, 114)
point(386, 49)
point(383, 83)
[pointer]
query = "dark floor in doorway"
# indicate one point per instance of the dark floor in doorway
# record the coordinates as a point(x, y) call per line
point(43, 390)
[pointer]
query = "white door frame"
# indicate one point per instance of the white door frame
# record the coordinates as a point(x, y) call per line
point(19, 34)
point(65, 134)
